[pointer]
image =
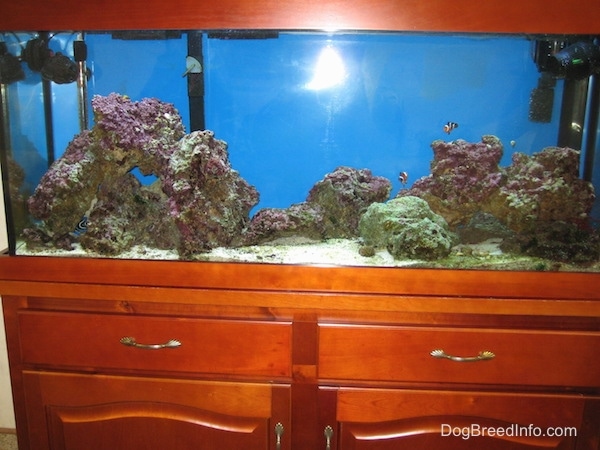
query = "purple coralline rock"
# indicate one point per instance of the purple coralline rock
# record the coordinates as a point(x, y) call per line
point(204, 203)
point(126, 135)
point(463, 177)
point(558, 241)
point(67, 189)
point(135, 134)
point(208, 200)
point(126, 214)
point(466, 179)
point(332, 209)
point(344, 195)
point(541, 188)
point(270, 224)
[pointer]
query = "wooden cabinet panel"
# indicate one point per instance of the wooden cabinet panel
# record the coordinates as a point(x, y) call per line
point(246, 364)
point(92, 341)
point(377, 419)
point(89, 412)
point(393, 353)
point(424, 434)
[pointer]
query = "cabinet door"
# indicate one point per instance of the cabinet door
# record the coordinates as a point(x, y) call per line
point(380, 419)
point(94, 412)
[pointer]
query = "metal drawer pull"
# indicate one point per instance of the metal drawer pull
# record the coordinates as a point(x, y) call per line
point(482, 356)
point(131, 342)
point(328, 435)
point(278, 434)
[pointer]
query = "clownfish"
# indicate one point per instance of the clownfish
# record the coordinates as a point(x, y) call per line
point(403, 177)
point(449, 127)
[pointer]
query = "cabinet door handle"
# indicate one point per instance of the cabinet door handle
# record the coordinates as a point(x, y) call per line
point(278, 433)
point(131, 342)
point(328, 435)
point(481, 356)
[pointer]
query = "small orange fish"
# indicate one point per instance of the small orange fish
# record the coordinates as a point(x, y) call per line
point(403, 177)
point(449, 127)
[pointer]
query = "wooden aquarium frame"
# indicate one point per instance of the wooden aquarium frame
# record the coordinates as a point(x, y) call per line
point(326, 321)
point(495, 16)
point(489, 16)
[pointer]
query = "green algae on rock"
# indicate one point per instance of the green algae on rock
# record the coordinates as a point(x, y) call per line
point(408, 228)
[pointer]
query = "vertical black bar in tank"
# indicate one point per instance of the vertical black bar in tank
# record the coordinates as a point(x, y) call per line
point(47, 99)
point(5, 144)
point(195, 80)
point(572, 114)
point(5, 152)
point(589, 146)
point(80, 56)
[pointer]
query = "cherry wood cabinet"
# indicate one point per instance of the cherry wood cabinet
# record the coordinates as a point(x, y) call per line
point(86, 412)
point(500, 388)
point(154, 344)
point(97, 380)
point(216, 355)
point(397, 419)
point(459, 355)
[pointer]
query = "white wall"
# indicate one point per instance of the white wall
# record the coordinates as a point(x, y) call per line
point(7, 418)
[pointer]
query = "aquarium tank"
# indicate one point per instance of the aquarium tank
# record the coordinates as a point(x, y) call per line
point(399, 149)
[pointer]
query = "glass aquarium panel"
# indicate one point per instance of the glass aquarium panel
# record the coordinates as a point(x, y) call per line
point(339, 148)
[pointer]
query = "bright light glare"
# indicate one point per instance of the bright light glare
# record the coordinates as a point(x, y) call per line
point(329, 70)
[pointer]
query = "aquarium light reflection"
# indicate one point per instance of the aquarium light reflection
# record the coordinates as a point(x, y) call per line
point(329, 71)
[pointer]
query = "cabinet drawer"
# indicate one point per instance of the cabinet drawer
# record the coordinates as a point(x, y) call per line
point(403, 354)
point(92, 341)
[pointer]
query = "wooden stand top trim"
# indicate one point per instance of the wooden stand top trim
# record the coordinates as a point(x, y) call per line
point(495, 16)
point(284, 278)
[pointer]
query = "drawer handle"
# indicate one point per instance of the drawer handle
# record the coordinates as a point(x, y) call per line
point(131, 342)
point(482, 356)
